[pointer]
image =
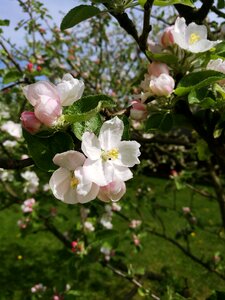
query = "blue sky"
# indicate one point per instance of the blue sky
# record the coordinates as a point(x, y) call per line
point(11, 10)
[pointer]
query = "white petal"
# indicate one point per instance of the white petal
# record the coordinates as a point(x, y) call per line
point(98, 171)
point(60, 183)
point(202, 46)
point(69, 160)
point(70, 89)
point(91, 146)
point(90, 196)
point(71, 196)
point(122, 173)
point(199, 30)
point(178, 33)
point(111, 133)
point(129, 152)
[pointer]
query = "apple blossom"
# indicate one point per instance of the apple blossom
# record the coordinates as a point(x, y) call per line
point(192, 37)
point(70, 89)
point(68, 183)
point(32, 181)
point(30, 122)
point(162, 85)
point(167, 38)
point(113, 191)
point(138, 110)
point(109, 158)
point(28, 205)
point(157, 68)
point(216, 65)
point(46, 101)
point(12, 128)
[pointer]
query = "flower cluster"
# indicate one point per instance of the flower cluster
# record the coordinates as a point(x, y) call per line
point(48, 100)
point(101, 171)
point(157, 81)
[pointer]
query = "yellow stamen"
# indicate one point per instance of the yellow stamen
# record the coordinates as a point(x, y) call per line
point(74, 182)
point(194, 37)
point(112, 154)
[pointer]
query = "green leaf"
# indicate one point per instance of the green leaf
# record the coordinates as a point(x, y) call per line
point(218, 51)
point(87, 107)
point(217, 295)
point(92, 125)
point(168, 2)
point(42, 150)
point(163, 57)
point(160, 121)
point(126, 131)
point(202, 150)
point(12, 76)
point(4, 22)
point(221, 4)
point(78, 14)
point(197, 80)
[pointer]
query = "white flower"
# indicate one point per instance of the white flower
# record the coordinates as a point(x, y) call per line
point(216, 65)
point(14, 129)
point(89, 226)
point(70, 89)
point(32, 183)
point(106, 221)
point(68, 183)
point(192, 37)
point(109, 158)
point(9, 144)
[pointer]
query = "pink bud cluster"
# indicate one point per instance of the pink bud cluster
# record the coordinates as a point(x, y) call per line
point(28, 205)
point(157, 81)
point(48, 100)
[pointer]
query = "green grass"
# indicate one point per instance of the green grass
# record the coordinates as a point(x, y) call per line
point(40, 257)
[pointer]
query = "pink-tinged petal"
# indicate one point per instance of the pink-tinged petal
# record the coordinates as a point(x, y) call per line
point(60, 183)
point(114, 191)
point(30, 122)
point(48, 111)
point(69, 160)
point(35, 91)
point(129, 152)
point(91, 146)
point(98, 171)
point(111, 133)
point(122, 173)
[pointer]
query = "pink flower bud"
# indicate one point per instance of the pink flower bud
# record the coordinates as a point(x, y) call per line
point(162, 85)
point(157, 68)
point(114, 191)
point(48, 110)
point(30, 122)
point(30, 67)
point(167, 37)
point(138, 111)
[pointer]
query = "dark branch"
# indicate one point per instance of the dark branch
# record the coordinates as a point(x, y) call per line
point(146, 25)
point(15, 164)
point(191, 14)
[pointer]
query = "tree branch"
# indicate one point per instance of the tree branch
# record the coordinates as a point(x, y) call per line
point(191, 14)
point(146, 25)
point(15, 164)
